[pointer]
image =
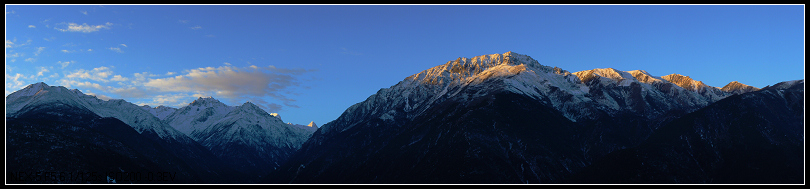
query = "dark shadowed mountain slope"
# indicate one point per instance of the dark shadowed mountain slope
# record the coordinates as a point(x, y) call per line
point(501, 137)
point(50, 127)
point(752, 138)
point(60, 143)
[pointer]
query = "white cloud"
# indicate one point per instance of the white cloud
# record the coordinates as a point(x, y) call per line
point(14, 83)
point(84, 28)
point(83, 12)
point(131, 92)
point(97, 74)
point(237, 84)
point(196, 27)
point(42, 71)
point(32, 26)
point(15, 55)
point(13, 43)
point(232, 82)
point(87, 84)
point(119, 78)
point(65, 63)
point(39, 50)
point(31, 60)
point(169, 100)
point(116, 49)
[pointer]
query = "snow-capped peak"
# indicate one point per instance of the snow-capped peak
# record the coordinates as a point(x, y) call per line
point(644, 77)
point(29, 90)
point(685, 82)
point(197, 115)
point(736, 87)
point(40, 94)
point(464, 68)
point(204, 101)
point(607, 76)
point(160, 111)
point(249, 107)
point(312, 124)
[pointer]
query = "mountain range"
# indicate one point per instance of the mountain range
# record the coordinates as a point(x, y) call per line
point(229, 144)
point(505, 118)
point(490, 119)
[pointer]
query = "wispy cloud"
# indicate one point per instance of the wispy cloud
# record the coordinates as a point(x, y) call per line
point(14, 82)
point(32, 26)
point(96, 74)
point(39, 50)
point(196, 27)
point(84, 28)
point(116, 49)
point(234, 83)
point(42, 71)
point(176, 100)
point(119, 78)
point(65, 63)
point(266, 86)
point(13, 43)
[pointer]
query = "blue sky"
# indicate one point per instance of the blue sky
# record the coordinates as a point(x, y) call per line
point(311, 62)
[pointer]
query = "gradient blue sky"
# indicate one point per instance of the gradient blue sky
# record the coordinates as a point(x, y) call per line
point(310, 63)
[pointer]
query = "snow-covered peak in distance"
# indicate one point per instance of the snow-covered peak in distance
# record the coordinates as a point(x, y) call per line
point(463, 68)
point(311, 127)
point(645, 77)
point(581, 95)
point(497, 72)
point(609, 76)
point(160, 111)
point(198, 114)
point(249, 107)
point(735, 87)
point(29, 90)
point(40, 94)
point(205, 101)
point(685, 82)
